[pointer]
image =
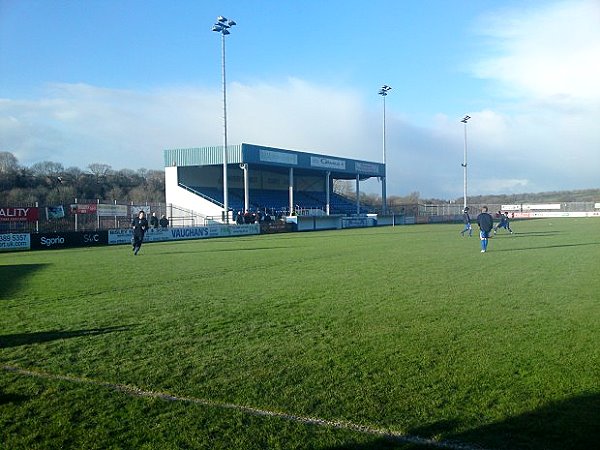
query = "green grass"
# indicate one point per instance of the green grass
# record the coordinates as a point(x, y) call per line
point(409, 329)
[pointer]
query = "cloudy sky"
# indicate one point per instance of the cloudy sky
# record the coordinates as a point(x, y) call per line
point(119, 81)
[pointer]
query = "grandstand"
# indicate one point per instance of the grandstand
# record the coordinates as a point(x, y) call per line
point(275, 181)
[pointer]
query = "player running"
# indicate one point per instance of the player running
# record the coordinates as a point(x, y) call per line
point(140, 226)
point(467, 222)
point(503, 222)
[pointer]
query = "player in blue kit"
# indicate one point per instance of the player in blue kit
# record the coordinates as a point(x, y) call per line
point(503, 223)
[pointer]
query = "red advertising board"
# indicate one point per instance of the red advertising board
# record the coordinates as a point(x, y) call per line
point(84, 208)
point(18, 214)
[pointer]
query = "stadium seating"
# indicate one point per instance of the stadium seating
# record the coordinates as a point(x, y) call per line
point(278, 200)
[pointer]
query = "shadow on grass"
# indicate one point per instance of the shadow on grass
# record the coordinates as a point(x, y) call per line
point(8, 398)
point(569, 424)
point(16, 340)
point(546, 246)
point(532, 233)
point(14, 276)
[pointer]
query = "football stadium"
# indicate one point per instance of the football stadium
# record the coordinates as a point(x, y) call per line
point(271, 295)
point(370, 331)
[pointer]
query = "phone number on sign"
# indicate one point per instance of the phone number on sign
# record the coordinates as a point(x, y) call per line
point(14, 241)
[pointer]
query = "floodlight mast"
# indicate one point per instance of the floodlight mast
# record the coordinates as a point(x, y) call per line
point(222, 25)
point(384, 92)
point(464, 164)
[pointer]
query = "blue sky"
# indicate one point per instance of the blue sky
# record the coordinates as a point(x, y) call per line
point(118, 81)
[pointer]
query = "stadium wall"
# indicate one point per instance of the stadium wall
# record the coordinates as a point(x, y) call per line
point(181, 196)
point(62, 240)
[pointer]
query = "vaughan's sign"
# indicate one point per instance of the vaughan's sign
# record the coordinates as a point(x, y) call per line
point(17, 214)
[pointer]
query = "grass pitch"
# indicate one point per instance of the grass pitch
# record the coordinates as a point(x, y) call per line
point(398, 337)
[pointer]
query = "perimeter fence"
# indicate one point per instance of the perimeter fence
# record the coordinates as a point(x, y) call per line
point(95, 215)
point(88, 215)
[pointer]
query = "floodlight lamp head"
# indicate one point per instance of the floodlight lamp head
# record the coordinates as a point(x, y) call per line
point(217, 28)
point(385, 87)
point(221, 19)
point(231, 23)
point(465, 119)
point(225, 31)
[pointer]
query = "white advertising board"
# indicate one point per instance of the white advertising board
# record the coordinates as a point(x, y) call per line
point(531, 207)
point(327, 163)
point(356, 222)
point(112, 210)
point(548, 214)
point(123, 236)
point(15, 241)
point(541, 206)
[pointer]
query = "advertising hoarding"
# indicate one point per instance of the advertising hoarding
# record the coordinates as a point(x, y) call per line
point(123, 236)
point(19, 214)
point(50, 241)
point(14, 241)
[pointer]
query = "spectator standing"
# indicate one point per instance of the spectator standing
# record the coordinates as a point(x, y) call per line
point(154, 220)
point(239, 218)
point(486, 223)
point(163, 222)
point(140, 226)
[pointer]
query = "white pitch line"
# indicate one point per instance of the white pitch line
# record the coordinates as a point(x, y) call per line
point(337, 424)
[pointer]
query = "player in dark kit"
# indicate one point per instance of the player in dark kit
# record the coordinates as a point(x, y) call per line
point(467, 222)
point(140, 226)
point(486, 223)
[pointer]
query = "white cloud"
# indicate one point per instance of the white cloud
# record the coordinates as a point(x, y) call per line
point(549, 54)
point(499, 186)
point(543, 131)
point(80, 124)
point(299, 115)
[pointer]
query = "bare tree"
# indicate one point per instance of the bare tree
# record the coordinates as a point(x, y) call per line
point(115, 193)
point(344, 187)
point(99, 170)
point(8, 162)
point(47, 169)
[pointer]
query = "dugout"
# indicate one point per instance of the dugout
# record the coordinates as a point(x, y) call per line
point(273, 180)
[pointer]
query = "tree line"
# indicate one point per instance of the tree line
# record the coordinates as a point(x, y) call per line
point(373, 201)
point(50, 183)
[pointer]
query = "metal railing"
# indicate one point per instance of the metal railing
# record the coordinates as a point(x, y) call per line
point(62, 218)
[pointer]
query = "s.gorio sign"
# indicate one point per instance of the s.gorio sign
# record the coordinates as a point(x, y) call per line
point(49, 241)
